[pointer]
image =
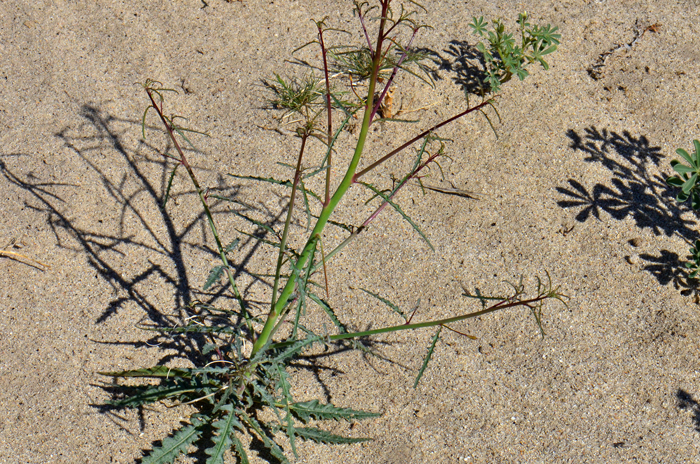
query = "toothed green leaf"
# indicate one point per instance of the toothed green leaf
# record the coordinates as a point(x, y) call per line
point(157, 371)
point(193, 328)
point(174, 446)
point(307, 410)
point(329, 311)
point(152, 393)
point(224, 437)
point(266, 436)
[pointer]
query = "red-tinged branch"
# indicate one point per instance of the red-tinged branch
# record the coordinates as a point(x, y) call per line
point(418, 137)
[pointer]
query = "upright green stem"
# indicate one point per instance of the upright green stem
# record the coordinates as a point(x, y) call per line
point(329, 161)
point(281, 303)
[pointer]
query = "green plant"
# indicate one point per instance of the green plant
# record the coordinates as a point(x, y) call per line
point(244, 388)
point(687, 181)
point(504, 58)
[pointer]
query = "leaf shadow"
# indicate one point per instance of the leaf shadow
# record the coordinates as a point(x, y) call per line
point(687, 402)
point(463, 62)
point(636, 190)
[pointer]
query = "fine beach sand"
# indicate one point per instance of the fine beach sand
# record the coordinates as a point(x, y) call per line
point(573, 185)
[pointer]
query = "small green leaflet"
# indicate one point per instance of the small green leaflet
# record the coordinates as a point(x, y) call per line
point(214, 276)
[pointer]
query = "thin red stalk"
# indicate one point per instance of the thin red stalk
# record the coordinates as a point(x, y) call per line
point(200, 193)
point(416, 138)
point(393, 193)
point(364, 29)
point(285, 233)
point(393, 74)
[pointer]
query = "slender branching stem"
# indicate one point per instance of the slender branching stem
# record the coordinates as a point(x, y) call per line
point(381, 207)
point(508, 303)
point(183, 161)
point(364, 28)
point(345, 184)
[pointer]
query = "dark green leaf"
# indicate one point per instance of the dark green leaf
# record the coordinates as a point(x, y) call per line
point(157, 371)
point(686, 156)
point(675, 181)
point(265, 435)
point(152, 393)
point(690, 183)
point(305, 411)
point(682, 168)
point(223, 439)
point(174, 446)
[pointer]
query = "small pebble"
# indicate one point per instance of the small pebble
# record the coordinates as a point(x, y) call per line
point(634, 259)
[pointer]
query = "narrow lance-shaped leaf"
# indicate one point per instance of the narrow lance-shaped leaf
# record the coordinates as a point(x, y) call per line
point(266, 436)
point(157, 371)
point(393, 306)
point(426, 360)
point(151, 394)
point(329, 311)
point(170, 184)
point(287, 398)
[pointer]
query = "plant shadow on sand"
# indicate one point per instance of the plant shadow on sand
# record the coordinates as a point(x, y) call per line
point(638, 191)
point(134, 182)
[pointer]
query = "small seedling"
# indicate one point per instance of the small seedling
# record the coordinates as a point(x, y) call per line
point(244, 392)
point(504, 58)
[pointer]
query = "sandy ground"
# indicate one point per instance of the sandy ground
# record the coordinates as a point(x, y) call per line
point(573, 185)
